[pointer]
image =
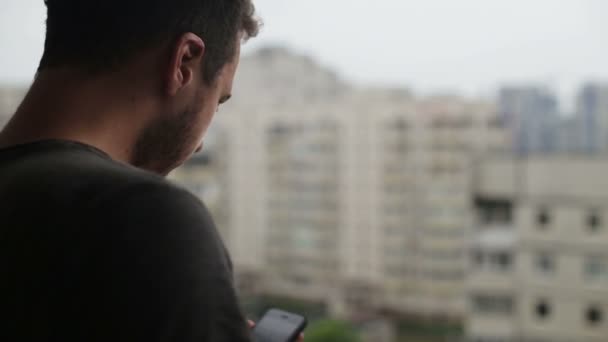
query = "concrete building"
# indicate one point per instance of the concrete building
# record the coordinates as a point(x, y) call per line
point(425, 152)
point(491, 288)
point(358, 198)
point(491, 281)
point(532, 115)
point(549, 244)
point(592, 117)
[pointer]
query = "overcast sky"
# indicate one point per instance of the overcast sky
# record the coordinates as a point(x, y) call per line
point(470, 46)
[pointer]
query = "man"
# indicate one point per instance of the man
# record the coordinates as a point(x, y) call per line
point(94, 244)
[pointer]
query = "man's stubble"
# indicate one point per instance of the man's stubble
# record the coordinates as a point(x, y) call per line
point(166, 142)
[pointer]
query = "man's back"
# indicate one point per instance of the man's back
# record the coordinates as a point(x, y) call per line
point(94, 250)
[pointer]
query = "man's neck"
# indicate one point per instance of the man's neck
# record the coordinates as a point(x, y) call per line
point(63, 106)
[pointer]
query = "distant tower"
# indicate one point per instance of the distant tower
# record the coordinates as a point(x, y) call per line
point(592, 114)
point(531, 114)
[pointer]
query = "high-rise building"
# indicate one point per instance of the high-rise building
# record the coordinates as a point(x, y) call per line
point(592, 117)
point(539, 268)
point(532, 115)
point(491, 281)
point(424, 154)
point(355, 197)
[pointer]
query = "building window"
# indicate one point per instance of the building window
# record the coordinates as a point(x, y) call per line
point(545, 263)
point(596, 268)
point(594, 315)
point(543, 219)
point(494, 211)
point(492, 304)
point(594, 221)
point(542, 309)
point(495, 261)
point(503, 260)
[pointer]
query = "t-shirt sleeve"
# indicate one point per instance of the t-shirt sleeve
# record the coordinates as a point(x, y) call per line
point(164, 272)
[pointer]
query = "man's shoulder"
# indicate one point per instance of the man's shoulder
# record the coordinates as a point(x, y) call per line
point(151, 212)
point(60, 162)
point(125, 190)
point(65, 175)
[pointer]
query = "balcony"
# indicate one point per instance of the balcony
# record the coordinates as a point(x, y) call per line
point(493, 262)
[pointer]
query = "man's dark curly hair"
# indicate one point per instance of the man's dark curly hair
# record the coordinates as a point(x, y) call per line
point(99, 35)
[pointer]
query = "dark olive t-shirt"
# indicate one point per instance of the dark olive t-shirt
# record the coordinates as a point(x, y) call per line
point(94, 250)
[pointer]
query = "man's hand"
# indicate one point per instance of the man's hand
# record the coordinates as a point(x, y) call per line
point(252, 324)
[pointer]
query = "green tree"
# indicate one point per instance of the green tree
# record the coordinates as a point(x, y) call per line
point(331, 331)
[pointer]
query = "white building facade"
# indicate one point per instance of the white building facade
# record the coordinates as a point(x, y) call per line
point(558, 284)
point(357, 198)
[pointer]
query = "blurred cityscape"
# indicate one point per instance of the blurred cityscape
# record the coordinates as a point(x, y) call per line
point(435, 218)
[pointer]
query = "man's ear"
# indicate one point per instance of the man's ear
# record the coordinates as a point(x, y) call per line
point(185, 62)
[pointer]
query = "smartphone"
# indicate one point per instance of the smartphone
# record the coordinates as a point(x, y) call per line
point(279, 326)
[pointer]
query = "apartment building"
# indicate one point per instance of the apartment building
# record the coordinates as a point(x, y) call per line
point(532, 115)
point(550, 276)
point(491, 284)
point(592, 117)
point(421, 213)
point(358, 198)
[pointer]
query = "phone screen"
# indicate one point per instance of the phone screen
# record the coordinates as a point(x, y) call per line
point(279, 326)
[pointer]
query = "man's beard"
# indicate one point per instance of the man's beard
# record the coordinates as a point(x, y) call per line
point(165, 143)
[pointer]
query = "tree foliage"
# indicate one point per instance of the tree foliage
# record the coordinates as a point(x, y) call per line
point(331, 331)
